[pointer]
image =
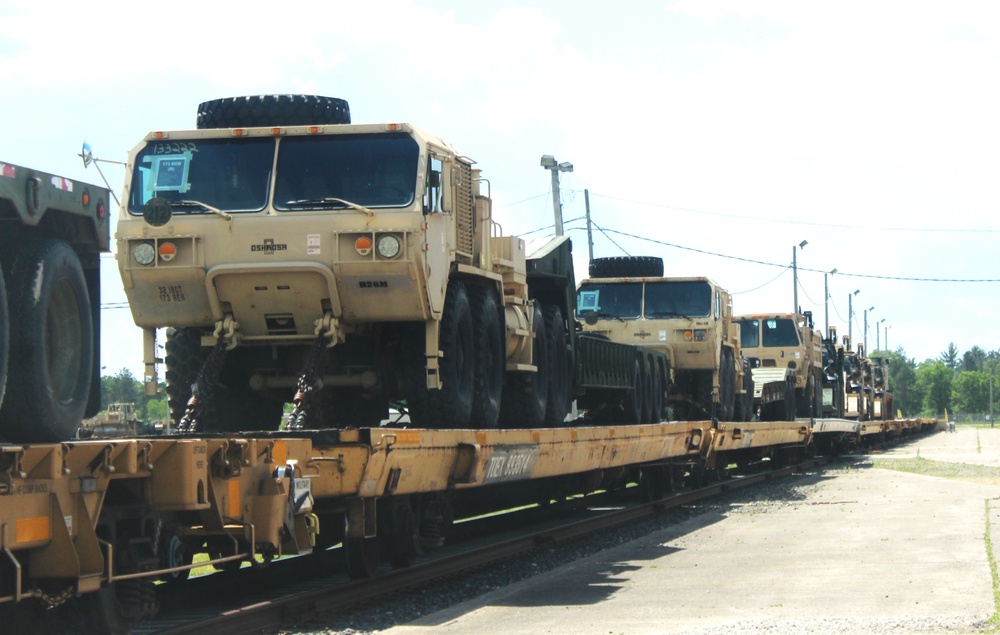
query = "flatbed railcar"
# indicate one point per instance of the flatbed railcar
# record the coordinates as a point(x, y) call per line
point(100, 521)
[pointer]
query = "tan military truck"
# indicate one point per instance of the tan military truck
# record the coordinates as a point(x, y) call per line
point(689, 319)
point(119, 420)
point(293, 256)
point(786, 340)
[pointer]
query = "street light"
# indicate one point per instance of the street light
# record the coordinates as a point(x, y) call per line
point(878, 346)
point(795, 275)
point(549, 163)
point(826, 303)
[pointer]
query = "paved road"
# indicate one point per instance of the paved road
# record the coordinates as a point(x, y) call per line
point(861, 550)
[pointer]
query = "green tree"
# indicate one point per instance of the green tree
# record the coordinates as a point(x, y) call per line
point(934, 379)
point(970, 392)
point(974, 360)
point(906, 395)
point(120, 388)
point(950, 356)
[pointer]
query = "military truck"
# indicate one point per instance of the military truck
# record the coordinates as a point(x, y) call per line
point(786, 340)
point(54, 230)
point(119, 420)
point(292, 256)
point(858, 377)
point(688, 319)
point(833, 376)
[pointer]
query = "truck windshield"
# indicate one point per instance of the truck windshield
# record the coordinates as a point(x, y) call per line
point(749, 333)
point(678, 298)
point(229, 174)
point(780, 332)
point(367, 170)
point(621, 300)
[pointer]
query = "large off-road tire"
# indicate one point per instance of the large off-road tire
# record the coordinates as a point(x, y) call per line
point(657, 413)
point(526, 395)
point(627, 267)
point(272, 110)
point(234, 405)
point(632, 403)
point(52, 338)
point(560, 373)
point(451, 406)
point(347, 407)
point(184, 359)
point(727, 385)
point(489, 355)
point(4, 337)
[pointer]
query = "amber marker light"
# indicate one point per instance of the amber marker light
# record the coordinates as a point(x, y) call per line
point(168, 251)
point(277, 131)
point(363, 245)
point(688, 335)
point(313, 129)
point(238, 132)
point(160, 135)
point(86, 199)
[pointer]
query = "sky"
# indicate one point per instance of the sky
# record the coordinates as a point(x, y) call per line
point(716, 135)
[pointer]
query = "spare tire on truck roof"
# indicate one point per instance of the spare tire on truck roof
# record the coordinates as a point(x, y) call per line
point(272, 110)
point(627, 267)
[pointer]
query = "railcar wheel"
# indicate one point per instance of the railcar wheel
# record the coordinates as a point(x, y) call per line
point(559, 366)
point(488, 335)
point(526, 395)
point(361, 556)
point(451, 405)
point(52, 338)
point(399, 530)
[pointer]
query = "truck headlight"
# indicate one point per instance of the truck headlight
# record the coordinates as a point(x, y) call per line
point(143, 253)
point(387, 246)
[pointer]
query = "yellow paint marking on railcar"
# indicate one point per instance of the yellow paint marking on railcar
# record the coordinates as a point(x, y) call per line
point(481, 438)
point(233, 508)
point(32, 529)
point(279, 452)
point(536, 436)
point(573, 434)
point(407, 437)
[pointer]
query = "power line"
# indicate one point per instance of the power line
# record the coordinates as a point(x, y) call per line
point(798, 222)
point(773, 264)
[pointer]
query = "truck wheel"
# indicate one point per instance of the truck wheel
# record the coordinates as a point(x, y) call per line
point(525, 395)
point(559, 369)
point(348, 408)
point(451, 406)
point(184, 359)
point(632, 403)
point(52, 339)
point(627, 267)
point(488, 334)
point(727, 385)
point(4, 340)
point(272, 110)
point(656, 415)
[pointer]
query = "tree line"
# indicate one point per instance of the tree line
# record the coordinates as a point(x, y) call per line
point(954, 382)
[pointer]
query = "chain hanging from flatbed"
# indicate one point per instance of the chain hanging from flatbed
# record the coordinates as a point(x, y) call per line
point(307, 390)
point(203, 391)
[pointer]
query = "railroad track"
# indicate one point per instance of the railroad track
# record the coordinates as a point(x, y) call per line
point(294, 590)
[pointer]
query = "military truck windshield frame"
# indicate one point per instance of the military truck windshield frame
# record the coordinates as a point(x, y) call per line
point(650, 299)
point(313, 173)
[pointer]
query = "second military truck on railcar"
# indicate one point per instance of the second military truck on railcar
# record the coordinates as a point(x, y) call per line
point(688, 319)
point(295, 257)
point(54, 230)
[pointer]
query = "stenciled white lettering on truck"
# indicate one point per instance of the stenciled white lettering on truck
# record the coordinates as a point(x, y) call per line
point(511, 463)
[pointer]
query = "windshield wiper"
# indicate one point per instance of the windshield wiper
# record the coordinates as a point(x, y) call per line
point(591, 317)
point(330, 199)
point(668, 314)
point(204, 206)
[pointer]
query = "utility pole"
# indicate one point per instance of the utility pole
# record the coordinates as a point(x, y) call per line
point(590, 236)
point(850, 316)
point(795, 276)
point(826, 304)
point(549, 163)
